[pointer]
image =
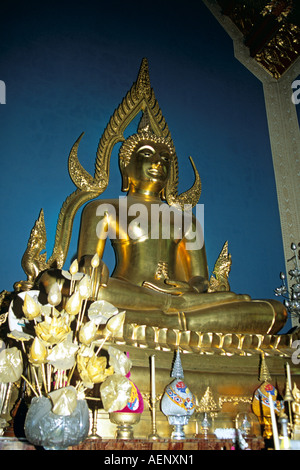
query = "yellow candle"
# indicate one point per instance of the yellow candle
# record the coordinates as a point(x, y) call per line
point(274, 424)
point(288, 374)
point(153, 391)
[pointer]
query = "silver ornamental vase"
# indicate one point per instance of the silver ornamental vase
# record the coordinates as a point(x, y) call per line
point(52, 431)
point(178, 403)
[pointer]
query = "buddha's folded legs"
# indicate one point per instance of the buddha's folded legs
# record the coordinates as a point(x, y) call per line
point(239, 317)
point(260, 316)
point(220, 312)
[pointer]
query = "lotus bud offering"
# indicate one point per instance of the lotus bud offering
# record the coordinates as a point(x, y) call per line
point(31, 308)
point(95, 261)
point(96, 369)
point(73, 304)
point(114, 323)
point(85, 287)
point(119, 361)
point(11, 365)
point(115, 392)
point(74, 267)
point(64, 401)
point(54, 296)
point(87, 333)
point(38, 352)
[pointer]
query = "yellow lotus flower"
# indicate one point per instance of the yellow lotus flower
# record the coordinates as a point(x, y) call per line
point(52, 330)
point(93, 369)
point(96, 369)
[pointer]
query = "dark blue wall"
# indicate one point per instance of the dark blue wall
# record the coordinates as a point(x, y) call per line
point(67, 65)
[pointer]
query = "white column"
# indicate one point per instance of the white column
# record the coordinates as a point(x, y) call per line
point(285, 143)
point(283, 131)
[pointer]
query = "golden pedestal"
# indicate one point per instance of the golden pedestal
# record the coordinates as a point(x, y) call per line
point(228, 364)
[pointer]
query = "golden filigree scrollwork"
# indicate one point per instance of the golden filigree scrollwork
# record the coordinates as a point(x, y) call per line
point(234, 399)
point(280, 9)
point(219, 279)
point(34, 258)
point(296, 411)
point(162, 271)
point(208, 403)
point(280, 51)
point(3, 316)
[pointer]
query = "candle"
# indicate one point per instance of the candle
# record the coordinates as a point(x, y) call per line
point(153, 391)
point(274, 424)
point(152, 400)
point(288, 374)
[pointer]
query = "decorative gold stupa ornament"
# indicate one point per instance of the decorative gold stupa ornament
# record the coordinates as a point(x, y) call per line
point(207, 409)
point(261, 406)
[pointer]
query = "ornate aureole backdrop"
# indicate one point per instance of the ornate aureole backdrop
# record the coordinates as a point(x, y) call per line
point(67, 65)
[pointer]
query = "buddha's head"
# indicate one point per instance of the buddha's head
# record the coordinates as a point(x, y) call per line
point(145, 162)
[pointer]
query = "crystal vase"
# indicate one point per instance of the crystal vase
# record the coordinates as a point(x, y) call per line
point(52, 431)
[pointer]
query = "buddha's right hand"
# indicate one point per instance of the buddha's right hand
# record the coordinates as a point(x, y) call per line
point(170, 286)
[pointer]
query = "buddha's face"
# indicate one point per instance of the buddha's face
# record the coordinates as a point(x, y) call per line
point(149, 166)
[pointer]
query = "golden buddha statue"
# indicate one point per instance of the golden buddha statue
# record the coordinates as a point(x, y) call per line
point(160, 281)
point(161, 274)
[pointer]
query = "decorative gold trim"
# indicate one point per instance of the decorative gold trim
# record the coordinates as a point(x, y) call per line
point(219, 278)
point(224, 344)
point(236, 400)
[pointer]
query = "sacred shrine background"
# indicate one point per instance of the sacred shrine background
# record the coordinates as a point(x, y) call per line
point(222, 72)
point(65, 69)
